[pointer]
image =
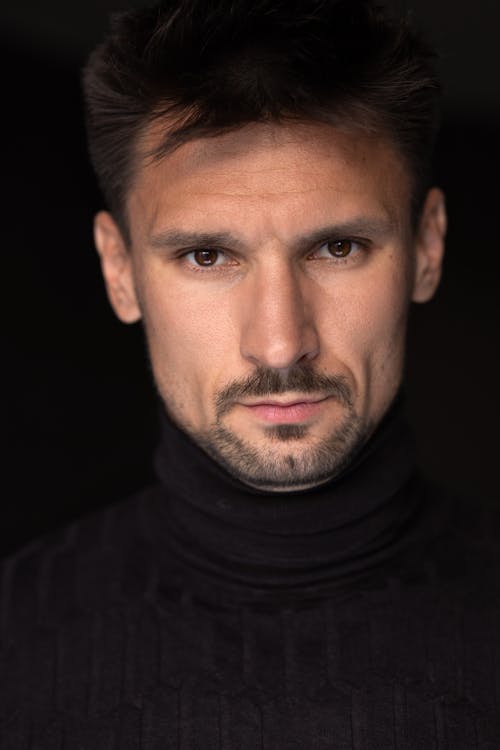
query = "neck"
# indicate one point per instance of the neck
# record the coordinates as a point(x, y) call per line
point(247, 538)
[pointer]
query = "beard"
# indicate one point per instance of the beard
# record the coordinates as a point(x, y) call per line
point(270, 467)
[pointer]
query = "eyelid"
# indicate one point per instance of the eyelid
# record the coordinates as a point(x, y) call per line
point(183, 255)
point(364, 245)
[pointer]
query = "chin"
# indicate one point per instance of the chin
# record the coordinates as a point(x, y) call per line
point(286, 456)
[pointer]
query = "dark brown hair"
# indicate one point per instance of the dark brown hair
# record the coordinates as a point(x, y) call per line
point(208, 67)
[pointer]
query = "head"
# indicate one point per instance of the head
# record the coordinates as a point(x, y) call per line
point(266, 167)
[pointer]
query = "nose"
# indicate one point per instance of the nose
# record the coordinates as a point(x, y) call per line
point(277, 330)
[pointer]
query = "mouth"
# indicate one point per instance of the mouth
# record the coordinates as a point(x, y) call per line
point(274, 411)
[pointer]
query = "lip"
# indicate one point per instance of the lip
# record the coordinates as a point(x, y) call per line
point(286, 412)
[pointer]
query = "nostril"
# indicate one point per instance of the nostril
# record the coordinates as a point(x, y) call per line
point(279, 351)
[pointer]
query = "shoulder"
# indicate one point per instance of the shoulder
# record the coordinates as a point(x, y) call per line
point(462, 548)
point(468, 523)
point(64, 598)
point(93, 562)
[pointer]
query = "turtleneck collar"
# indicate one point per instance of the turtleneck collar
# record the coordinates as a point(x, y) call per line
point(232, 534)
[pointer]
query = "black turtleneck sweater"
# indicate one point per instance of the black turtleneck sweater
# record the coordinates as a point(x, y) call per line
point(204, 615)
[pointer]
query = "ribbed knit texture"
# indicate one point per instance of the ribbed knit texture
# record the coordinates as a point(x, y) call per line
point(195, 616)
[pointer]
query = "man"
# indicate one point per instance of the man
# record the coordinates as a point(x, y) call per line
point(291, 581)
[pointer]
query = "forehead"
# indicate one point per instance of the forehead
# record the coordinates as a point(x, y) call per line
point(270, 172)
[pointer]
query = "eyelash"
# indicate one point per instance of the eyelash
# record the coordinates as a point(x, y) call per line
point(362, 246)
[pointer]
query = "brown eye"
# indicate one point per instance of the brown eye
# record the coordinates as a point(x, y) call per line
point(340, 248)
point(206, 257)
point(345, 250)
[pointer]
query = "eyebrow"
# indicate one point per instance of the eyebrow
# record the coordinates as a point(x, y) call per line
point(178, 238)
point(374, 228)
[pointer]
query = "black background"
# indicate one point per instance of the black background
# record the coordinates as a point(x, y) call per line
point(80, 408)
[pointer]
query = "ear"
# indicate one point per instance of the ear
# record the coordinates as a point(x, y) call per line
point(429, 246)
point(116, 265)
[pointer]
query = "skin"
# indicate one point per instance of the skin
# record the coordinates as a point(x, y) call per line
point(305, 303)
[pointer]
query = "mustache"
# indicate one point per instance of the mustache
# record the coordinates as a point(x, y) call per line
point(268, 382)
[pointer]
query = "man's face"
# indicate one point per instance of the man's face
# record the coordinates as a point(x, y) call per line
point(273, 269)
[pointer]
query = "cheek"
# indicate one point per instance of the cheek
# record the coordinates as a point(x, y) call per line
point(188, 337)
point(384, 341)
point(367, 326)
